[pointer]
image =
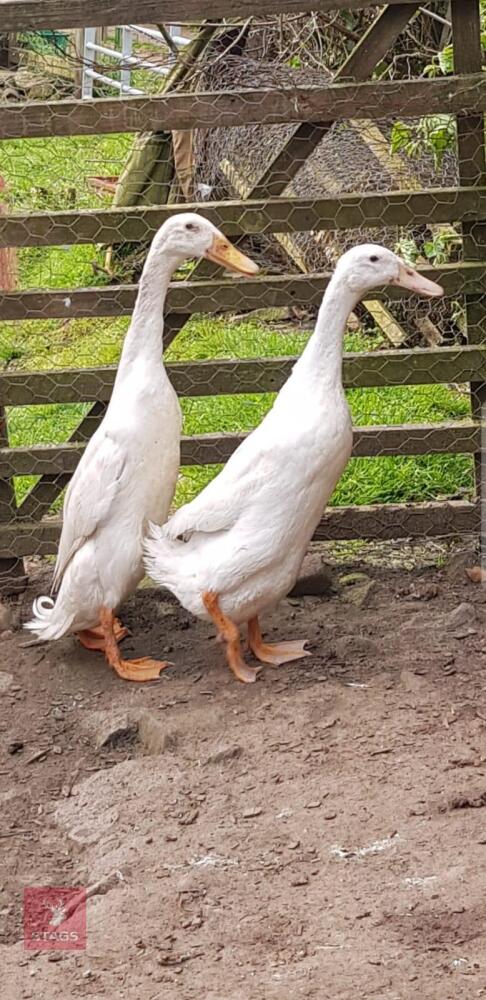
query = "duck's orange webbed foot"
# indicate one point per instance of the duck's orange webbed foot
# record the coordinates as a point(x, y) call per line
point(229, 634)
point(94, 638)
point(274, 653)
point(139, 670)
point(142, 669)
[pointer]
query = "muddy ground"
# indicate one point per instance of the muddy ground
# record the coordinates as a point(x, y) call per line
point(319, 834)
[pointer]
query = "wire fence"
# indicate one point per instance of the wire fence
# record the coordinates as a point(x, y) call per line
point(299, 135)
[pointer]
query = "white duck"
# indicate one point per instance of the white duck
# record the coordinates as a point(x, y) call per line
point(128, 472)
point(237, 548)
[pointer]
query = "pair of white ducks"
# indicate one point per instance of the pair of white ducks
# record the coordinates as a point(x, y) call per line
point(236, 550)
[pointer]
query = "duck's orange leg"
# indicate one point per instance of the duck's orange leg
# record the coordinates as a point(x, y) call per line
point(143, 669)
point(275, 652)
point(229, 634)
point(93, 638)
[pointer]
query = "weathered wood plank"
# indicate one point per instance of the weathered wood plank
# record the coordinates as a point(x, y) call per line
point(212, 378)
point(12, 574)
point(212, 449)
point(468, 55)
point(369, 51)
point(230, 109)
point(16, 15)
point(282, 215)
point(217, 296)
point(392, 521)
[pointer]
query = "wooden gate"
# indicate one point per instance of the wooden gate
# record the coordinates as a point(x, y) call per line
point(26, 528)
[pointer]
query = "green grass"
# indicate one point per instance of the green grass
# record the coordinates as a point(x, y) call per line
point(52, 174)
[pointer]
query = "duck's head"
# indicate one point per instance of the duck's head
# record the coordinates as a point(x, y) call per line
point(370, 265)
point(190, 235)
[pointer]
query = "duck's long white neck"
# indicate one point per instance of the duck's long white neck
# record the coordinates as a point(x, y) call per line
point(144, 338)
point(321, 361)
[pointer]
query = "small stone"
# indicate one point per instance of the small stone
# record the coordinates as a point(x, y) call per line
point(359, 593)
point(250, 813)
point(464, 614)
point(188, 818)
point(313, 805)
point(225, 753)
point(115, 731)
point(16, 746)
point(300, 880)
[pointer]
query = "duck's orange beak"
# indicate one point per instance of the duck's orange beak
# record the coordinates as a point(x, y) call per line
point(223, 252)
point(415, 282)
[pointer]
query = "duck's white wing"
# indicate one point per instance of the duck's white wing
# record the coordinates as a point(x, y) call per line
point(220, 504)
point(202, 514)
point(89, 497)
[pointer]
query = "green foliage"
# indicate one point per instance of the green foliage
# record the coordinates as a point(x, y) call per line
point(432, 135)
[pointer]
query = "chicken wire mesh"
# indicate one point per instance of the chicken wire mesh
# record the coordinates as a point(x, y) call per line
point(61, 338)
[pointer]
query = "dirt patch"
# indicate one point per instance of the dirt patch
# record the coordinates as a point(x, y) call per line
point(318, 834)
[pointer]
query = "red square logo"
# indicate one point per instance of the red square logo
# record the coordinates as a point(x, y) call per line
point(54, 919)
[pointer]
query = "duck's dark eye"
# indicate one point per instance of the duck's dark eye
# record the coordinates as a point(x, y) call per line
point(191, 226)
point(374, 258)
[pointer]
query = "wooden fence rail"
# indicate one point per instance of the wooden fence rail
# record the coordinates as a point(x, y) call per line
point(209, 295)
point(451, 518)
point(16, 15)
point(213, 449)
point(257, 216)
point(228, 377)
point(232, 109)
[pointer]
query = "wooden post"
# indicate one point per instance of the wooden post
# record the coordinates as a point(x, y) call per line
point(466, 33)
point(12, 576)
point(7, 46)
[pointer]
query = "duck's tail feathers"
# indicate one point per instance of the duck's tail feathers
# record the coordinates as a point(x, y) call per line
point(160, 555)
point(47, 622)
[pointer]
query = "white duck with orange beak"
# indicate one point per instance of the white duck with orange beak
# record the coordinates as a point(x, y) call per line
point(128, 473)
point(236, 549)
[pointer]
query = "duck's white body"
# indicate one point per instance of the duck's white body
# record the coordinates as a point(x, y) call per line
point(250, 528)
point(125, 479)
point(244, 537)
